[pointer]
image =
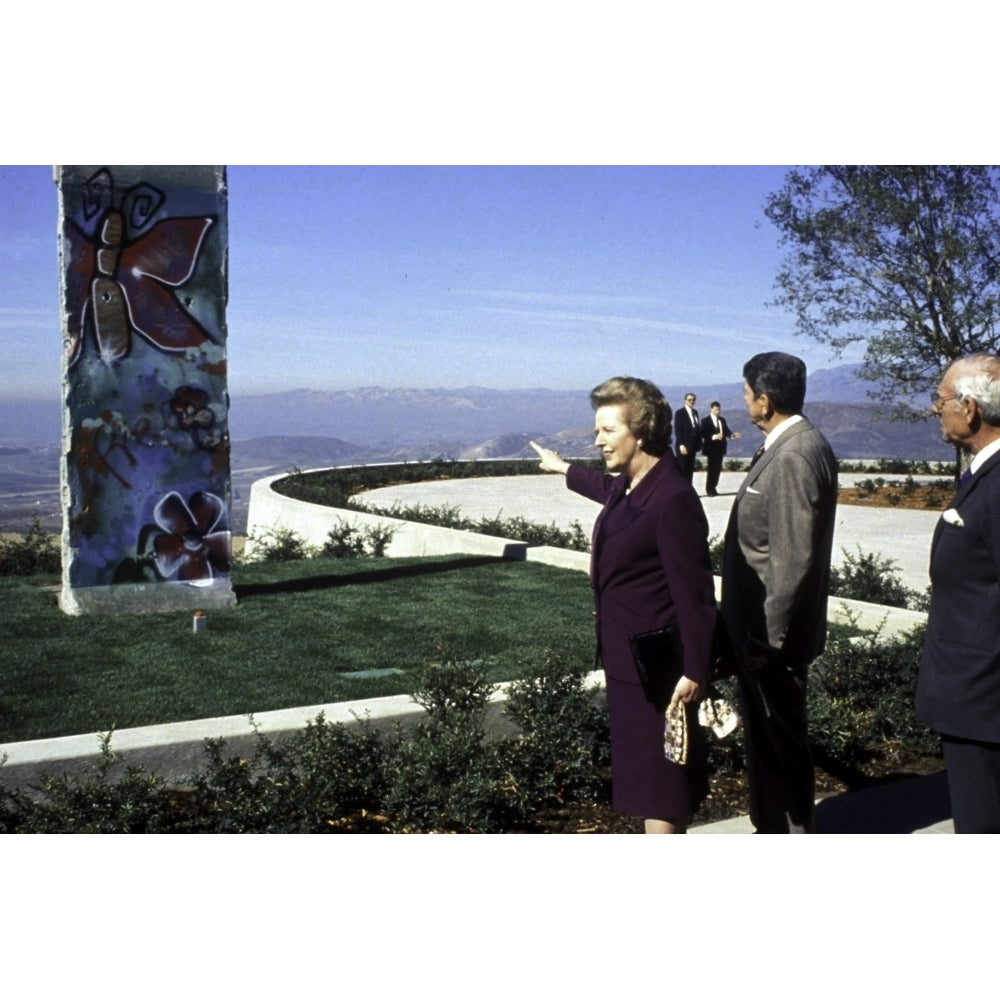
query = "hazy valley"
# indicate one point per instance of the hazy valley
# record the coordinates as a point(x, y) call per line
point(307, 429)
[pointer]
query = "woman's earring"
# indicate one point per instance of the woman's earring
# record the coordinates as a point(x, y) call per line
point(639, 442)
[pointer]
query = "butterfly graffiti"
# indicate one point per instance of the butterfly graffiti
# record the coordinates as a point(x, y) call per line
point(124, 273)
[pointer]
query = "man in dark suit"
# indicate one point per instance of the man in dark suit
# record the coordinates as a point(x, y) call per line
point(958, 689)
point(687, 436)
point(775, 579)
point(715, 435)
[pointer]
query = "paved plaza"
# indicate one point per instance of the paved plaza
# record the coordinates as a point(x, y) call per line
point(901, 535)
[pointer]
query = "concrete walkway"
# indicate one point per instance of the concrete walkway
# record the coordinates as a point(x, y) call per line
point(901, 535)
point(910, 805)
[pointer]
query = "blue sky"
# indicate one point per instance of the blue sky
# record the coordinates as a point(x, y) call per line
point(509, 277)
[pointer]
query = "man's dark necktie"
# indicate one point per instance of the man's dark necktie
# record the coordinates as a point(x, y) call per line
point(756, 457)
point(963, 479)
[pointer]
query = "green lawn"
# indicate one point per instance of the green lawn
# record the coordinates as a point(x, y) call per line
point(299, 635)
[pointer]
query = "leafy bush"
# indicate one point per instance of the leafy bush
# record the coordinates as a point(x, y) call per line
point(279, 545)
point(100, 802)
point(868, 577)
point(861, 696)
point(303, 784)
point(563, 747)
point(35, 553)
point(347, 541)
point(520, 528)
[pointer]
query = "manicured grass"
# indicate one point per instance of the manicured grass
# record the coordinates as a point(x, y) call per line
point(298, 633)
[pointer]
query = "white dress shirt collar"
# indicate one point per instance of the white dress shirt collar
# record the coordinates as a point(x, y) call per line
point(780, 429)
point(983, 454)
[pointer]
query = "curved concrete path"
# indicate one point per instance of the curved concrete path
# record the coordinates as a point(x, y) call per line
point(901, 535)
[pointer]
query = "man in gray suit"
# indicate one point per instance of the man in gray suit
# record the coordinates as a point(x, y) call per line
point(958, 690)
point(775, 579)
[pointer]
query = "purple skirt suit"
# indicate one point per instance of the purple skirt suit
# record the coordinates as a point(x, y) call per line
point(649, 567)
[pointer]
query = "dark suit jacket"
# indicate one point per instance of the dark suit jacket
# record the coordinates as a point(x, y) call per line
point(653, 569)
point(686, 433)
point(710, 447)
point(958, 690)
point(776, 566)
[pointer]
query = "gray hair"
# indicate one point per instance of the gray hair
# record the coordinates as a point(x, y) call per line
point(982, 384)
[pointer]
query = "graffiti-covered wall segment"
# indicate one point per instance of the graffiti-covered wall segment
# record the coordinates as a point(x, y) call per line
point(145, 470)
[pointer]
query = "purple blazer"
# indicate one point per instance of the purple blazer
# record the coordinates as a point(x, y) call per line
point(649, 565)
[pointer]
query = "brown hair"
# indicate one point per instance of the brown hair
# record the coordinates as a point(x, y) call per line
point(646, 411)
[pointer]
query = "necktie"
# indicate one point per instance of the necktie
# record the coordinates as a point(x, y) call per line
point(756, 457)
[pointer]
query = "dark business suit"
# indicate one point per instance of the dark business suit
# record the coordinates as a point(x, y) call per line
point(687, 433)
point(713, 450)
point(958, 689)
point(649, 566)
point(776, 573)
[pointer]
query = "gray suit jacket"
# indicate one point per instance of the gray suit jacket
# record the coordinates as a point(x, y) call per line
point(958, 690)
point(776, 569)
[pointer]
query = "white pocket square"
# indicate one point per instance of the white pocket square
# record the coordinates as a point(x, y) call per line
point(750, 489)
point(952, 516)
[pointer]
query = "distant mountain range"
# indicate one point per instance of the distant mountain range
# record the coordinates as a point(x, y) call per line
point(305, 429)
point(446, 419)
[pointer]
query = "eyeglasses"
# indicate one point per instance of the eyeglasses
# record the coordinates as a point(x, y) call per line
point(937, 399)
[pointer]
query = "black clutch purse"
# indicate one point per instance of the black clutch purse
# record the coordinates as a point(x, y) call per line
point(659, 659)
point(659, 662)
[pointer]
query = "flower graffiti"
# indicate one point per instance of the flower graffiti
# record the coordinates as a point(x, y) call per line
point(190, 543)
point(190, 411)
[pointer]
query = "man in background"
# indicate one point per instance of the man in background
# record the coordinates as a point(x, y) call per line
point(958, 689)
point(687, 435)
point(775, 580)
point(715, 435)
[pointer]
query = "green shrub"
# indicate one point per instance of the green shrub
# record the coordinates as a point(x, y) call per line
point(868, 577)
point(861, 697)
point(35, 553)
point(563, 746)
point(344, 541)
point(936, 497)
point(102, 801)
point(497, 526)
point(279, 545)
point(377, 538)
point(348, 541)
point(302, 784)
point(445, 776)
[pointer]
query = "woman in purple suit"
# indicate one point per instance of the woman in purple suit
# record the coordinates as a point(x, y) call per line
point(650, 567)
